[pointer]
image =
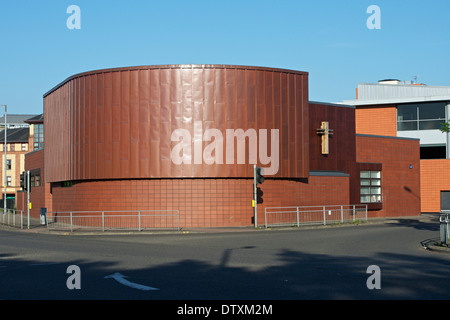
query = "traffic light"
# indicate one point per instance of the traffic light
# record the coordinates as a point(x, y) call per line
point(259, 175)
point(23, 183)
point(259, 194)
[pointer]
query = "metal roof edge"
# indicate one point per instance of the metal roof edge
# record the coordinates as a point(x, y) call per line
point(397, 100)
point(172, 66)
point(388, 137)
point(333, 104)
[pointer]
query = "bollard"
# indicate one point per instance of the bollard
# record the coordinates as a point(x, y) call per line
point(444, 228)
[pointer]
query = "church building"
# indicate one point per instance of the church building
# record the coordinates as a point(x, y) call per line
point(187, 138)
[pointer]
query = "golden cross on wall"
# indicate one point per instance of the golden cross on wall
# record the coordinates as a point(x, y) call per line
point(325, 132)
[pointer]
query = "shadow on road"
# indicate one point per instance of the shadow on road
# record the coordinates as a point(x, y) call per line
point(296, 276)
point(429, 222)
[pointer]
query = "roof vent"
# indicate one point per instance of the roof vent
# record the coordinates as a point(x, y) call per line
point(389, 81)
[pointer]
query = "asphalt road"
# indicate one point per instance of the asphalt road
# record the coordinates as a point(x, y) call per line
point(290, 264)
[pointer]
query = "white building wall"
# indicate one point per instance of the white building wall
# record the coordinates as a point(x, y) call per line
point(427, 137)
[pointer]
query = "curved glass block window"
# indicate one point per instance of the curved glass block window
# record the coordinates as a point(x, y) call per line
point(370, 186)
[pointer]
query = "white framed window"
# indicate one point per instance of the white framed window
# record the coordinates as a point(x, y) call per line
point(370, 186)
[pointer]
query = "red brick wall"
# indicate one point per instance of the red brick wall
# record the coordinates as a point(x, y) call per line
point(19, 200)
point(342, 145)
point(400, 184)
point(40, 197)
point(376, 120)
point(202, 202)
point(35, 160)
point(434, 177)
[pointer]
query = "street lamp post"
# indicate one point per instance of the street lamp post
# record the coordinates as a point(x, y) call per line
point(4, 175)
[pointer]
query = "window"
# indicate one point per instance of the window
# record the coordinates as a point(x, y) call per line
point(370, 186)
point(8, 164)
point(421, 116)
point(433, 152)
point(37, 181)
point(24, 147)
point(38, 136)
point(8, 181)
point(67, 184)
point(35, 178)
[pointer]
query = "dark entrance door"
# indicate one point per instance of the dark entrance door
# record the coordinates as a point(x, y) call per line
point(445, 200)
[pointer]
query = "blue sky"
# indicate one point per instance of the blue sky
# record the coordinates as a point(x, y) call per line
point(329, 39)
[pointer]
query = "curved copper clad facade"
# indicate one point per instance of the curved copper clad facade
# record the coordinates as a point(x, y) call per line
point(118, 123)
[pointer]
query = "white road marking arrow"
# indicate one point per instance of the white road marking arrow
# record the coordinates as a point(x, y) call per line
point(121, 279)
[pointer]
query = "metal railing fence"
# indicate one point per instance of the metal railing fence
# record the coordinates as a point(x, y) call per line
point(114, 220)
point(13, 218)
point(309, 215)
